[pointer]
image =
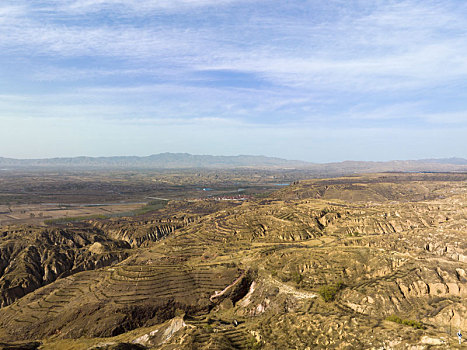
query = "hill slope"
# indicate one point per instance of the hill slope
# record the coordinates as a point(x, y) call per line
point(344, 263)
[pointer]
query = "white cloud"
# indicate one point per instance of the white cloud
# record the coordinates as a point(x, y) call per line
point(398, 46)
point(36, 40)
point(8, 12)
point(404, 46)
point(138, 6)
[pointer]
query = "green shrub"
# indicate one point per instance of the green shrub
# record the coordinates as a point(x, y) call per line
point(411, 323)
point(150, 207)
point(253, 344)
point(297, 277)
point(284, 278)
point(74, 219)
point(208, 328)
point(329, 291)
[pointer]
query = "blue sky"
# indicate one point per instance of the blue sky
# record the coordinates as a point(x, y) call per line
point(313, 80)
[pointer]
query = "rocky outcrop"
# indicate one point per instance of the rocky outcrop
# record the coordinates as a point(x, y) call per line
point(138, 232)
point(161, 335)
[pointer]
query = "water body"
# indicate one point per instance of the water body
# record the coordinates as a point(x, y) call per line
point(283, 184)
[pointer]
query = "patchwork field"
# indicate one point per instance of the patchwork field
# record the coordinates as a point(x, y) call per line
point(43, 213)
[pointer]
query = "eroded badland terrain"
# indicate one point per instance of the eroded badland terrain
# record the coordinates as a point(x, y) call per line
point(363, 262)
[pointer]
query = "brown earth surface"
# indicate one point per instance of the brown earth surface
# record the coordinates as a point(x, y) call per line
point(364, 262)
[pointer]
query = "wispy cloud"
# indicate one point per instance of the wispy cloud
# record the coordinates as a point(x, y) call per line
point(352, 64)
point(402, 46)
point(137, 6)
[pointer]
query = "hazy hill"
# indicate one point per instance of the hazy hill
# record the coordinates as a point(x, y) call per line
point(162, 161)
point(458, 161)
point(186, 160)
point(423, 165)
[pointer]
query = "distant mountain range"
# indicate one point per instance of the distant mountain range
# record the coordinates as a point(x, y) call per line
point(157, 161)
point(186, 160)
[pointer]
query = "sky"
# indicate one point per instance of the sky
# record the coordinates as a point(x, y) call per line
point(312, 80)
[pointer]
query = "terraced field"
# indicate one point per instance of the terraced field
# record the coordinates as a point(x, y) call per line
point(321, 271)
point(147, 289)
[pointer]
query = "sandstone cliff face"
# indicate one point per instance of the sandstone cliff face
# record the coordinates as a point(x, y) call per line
point(139, 232)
